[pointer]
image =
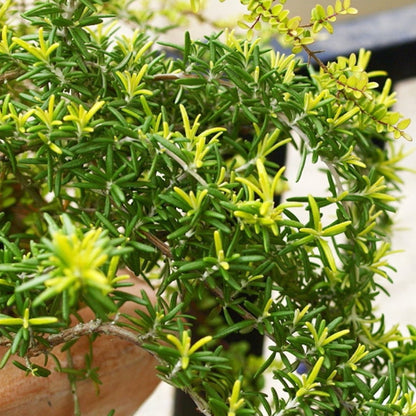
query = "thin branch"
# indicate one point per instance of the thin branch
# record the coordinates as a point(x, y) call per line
point(201, 404)
point(163, 247)
point(315, 57)
point(181, 75)
point(10, 75)
point(77, 331)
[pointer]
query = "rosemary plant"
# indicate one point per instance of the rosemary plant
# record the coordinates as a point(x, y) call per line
point(117, 152)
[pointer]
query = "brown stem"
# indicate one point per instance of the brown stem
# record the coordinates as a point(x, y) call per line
point(77, 331)
point(163, 247)
point(315, 57)
point(181, 75)
point(10, 75)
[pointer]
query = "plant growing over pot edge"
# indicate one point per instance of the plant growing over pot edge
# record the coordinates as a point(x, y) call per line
point(115, 154)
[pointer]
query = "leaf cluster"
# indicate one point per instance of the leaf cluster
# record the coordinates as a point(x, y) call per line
point(169, 160)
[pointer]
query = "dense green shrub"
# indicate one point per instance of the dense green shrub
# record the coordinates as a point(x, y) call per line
point(117, 153)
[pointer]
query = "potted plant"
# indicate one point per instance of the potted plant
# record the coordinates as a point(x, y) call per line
point(116, 155)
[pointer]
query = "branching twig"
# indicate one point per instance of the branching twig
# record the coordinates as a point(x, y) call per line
point(77, 331)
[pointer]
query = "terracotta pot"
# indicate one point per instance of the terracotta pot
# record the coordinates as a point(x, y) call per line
point(126, 371)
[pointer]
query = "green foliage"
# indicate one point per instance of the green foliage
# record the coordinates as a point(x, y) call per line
point(114, 153)
point(290, 28)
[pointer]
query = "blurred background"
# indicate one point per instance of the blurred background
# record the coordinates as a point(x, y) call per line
point(388, 29)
